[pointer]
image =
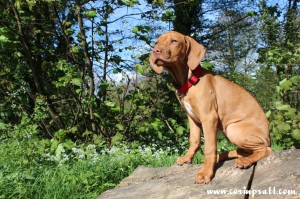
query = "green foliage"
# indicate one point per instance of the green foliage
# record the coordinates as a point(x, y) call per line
point(285, 120)
point(70, 128)
point(287, 85)
point(265, 87)
point(284, 58)
point(282, 53)
point(187, 17)
point(130, 2)
point(270, 25)
point(38, 168)
point(58, 78)
point(224, 144)
point(142, 33)
point(168, 15)
point(207, 65)
point(23, 131)
point(285, 125)
point(91, 14)
point(282, 49)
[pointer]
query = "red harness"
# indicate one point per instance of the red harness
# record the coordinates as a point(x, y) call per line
point(192, 81)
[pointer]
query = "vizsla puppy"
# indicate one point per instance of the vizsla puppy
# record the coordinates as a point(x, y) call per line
point(211, 102)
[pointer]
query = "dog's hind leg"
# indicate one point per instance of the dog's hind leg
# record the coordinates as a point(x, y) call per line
point(233, 154)
point(245, 162)
point(253, 143)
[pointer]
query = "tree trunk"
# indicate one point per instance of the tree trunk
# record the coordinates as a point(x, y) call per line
point(188, 16)
point(88, 61)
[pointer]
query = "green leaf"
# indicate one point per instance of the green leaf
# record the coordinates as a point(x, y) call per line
point(104, 85)
point(282, 81)
point(109, 103)
point(116, 109)
point(160, 136)
point(77, 81)
point(3, 39)
point(69, 144)
point(135, 29)
point(296, 134)
point(96, 115)
point(268, 113)
point(169, 15)
point(283, 127)
point(139, 69)
point(117, 70)
point(117, 138)
point(295, 79)
point(157, 124)
point(283, 107)
point(278, 89)
point(291, 113)
point(78, 90)
point(3, 126)
point(120, 127)
point(59, 151)
point(91, 14)
point(285, 85)
point(207, 65)
point(74, 129)
point(130, 2)
point(180, 130)
point(251, 13)
point(70, 31)
point(75, 49)
point(31, 4)
point(54, 144)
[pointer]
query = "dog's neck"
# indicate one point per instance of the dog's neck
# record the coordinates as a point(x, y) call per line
point(193, 79)
point(180, 73)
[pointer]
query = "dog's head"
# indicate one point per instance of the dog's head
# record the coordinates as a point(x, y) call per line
point(172, 49)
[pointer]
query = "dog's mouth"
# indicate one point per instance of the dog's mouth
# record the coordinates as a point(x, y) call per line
point(161, 61)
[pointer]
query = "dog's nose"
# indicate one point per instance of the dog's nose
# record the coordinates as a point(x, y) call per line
point(157, 50)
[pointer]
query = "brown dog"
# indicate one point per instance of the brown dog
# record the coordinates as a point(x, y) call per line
point(213, 103)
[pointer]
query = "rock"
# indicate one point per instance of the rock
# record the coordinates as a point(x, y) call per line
point(276, 176)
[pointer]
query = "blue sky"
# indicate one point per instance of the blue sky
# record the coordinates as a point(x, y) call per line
point(125, 25)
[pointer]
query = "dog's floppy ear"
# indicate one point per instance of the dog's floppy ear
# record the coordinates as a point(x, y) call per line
point(157, 69)
point(195, 52)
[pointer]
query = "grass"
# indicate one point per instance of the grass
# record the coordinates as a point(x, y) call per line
point(35, 168)
point(27, 170)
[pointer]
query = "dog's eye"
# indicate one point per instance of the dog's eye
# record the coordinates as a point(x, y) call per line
point(174, 41)
point(155, 43)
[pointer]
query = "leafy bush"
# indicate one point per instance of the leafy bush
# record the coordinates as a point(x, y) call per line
point(284, 119)
point(285, 125)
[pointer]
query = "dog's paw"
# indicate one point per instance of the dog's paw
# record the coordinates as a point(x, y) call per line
point(243, 163)
point(183, 160)
point(203, 177)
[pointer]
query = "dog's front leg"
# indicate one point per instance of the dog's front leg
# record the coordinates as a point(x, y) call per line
point(210, 151)
point(195, 132)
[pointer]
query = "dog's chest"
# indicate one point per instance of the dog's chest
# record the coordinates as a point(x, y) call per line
point(189, 109)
